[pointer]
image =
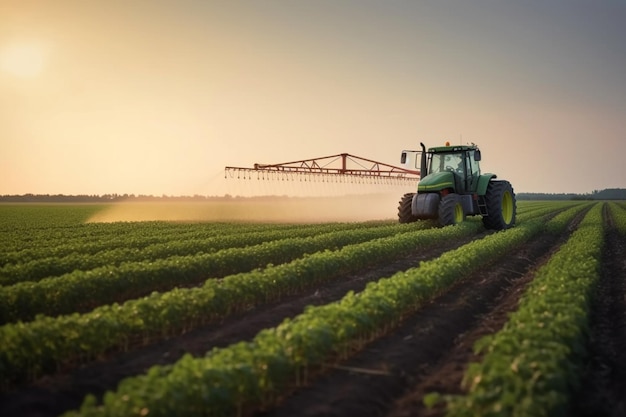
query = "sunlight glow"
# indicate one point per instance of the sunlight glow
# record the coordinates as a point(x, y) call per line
point(22, 59)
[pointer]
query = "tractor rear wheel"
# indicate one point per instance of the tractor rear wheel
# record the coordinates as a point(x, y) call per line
point(501, 206)
point(405, 214)
point(451, 210)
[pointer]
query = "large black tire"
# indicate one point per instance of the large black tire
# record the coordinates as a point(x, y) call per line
point(405, 214)
point(451, 210)
point(501, 206)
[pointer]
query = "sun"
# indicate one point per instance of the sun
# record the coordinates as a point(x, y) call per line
point(22, 60)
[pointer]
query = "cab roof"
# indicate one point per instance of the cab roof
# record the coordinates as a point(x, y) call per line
point(453, 148)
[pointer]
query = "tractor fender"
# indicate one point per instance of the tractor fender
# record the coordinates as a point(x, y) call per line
point(425, 205)
point(483, 182)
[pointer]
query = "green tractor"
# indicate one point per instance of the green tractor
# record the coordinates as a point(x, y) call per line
point(451, 187)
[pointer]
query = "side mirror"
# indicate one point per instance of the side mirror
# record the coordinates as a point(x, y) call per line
point(403, 158)
point(477, 155)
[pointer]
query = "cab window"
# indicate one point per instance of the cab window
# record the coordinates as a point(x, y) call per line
point(474, 165)
point(452, 162)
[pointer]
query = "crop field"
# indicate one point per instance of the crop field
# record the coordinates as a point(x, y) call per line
point(343, 318)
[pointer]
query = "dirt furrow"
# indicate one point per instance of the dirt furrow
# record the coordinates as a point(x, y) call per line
point(604, 379)
point(52, 395)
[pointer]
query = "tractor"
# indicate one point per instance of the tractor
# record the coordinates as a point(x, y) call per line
point(452, 187)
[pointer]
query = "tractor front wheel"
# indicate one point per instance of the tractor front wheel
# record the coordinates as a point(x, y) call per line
point(405, 214)
point(451, 210)
point(501, 206)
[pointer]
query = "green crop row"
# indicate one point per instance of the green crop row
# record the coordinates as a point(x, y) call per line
point(51, 234)
point(82, 290)
point(531, 365)
point(24, 245)
point(618, 213)
point(527, 207)
point(90, 239)
point(39, 346)
point(54, 238)
point(565, 217)
point(181, 245)
point(37, 216)
point(47, 246)
point(251, 374)
point(541, 210)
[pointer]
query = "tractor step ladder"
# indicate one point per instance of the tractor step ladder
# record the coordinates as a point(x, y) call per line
point(482, 206)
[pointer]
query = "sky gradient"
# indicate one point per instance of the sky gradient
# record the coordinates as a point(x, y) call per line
point(156, 97)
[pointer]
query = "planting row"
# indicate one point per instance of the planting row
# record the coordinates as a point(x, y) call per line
point(82, 290)
point(532, 364)
point(253, 374)
point(128, 248)
point(25, 245)
point(36, 347)
point(618, 213)
point(35, 232)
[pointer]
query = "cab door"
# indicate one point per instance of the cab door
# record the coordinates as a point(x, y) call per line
point(472, 170)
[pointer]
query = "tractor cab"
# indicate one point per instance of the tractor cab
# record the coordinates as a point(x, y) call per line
point(456, 168)
point(452, 187)
point(459, 165)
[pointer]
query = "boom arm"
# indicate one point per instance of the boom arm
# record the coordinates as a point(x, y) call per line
point(327, 168)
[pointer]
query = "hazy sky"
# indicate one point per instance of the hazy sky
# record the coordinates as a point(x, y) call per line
point(156, 97)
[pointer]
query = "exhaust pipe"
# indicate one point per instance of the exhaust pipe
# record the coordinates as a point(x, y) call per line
point(423, 167)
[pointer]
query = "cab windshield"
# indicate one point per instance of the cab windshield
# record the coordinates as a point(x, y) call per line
point(452, 162)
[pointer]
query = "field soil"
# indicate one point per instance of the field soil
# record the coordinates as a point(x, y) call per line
point(428, 352)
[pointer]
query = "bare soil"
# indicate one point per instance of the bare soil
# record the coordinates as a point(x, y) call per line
point(428, 352)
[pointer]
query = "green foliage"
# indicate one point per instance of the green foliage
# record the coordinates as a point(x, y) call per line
point(530, 367)
point(160, 242)
point(252, 374)
point(82, 290)
point(32, 217)
point(142, 257)
point(164, 314)
point(618, 214)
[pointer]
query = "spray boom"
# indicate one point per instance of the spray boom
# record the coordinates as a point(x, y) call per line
point(334, 168)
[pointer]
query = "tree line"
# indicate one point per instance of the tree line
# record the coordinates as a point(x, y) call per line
point(606, 194)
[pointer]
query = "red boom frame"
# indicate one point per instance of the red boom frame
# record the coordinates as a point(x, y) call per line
point(310, 168)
